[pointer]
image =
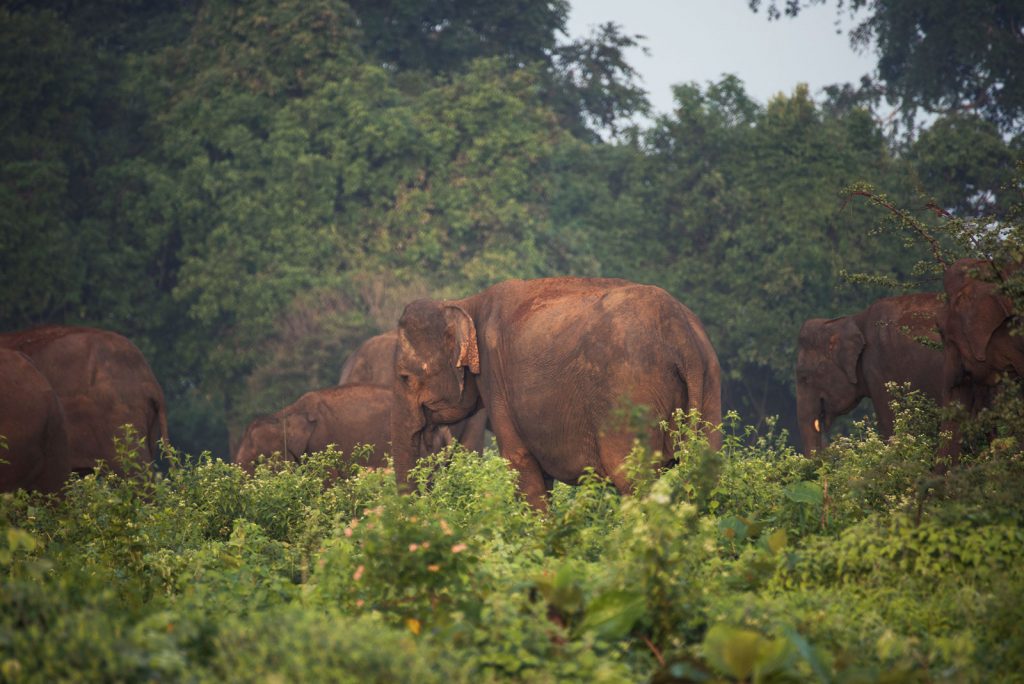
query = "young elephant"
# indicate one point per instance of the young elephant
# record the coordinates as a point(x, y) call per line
point(344, 416)
point(560, 364)
point(32, 425)
point(842, 360)
point(103, 382)
point(374, 363)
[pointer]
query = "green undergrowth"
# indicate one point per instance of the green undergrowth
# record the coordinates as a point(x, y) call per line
point(752, 564)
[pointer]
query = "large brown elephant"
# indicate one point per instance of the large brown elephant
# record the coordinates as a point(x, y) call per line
point(374, 363)
point(561, 364)
point(344, 416)
point(32, 426)
point(103, 382)
point(842, 360)
point(976, 331)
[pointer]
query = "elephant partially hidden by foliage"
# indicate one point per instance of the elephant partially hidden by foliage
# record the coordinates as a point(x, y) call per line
point(103, 382)
point(977, 330)
point(32, 427)
point(563, 366)
point(374, 363)
point(842, 360)
point(344, 416)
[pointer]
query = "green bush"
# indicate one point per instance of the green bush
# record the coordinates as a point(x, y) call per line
point(749, 564)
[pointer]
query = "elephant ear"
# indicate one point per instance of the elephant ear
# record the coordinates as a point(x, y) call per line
point(982, 313)
point(297, 429)
point(464, 350)
point(845, 345)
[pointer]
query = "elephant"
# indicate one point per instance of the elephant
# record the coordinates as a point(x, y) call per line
point(342, 415)
point(103, 382)
point(559, 364)
point(33, 428)
point(842, 360)
point(976, 331)
point(374, 363)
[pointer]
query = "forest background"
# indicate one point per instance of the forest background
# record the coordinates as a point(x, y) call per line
point(249, 190)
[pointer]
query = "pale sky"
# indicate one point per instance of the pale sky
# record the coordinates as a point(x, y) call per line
point(699, 40)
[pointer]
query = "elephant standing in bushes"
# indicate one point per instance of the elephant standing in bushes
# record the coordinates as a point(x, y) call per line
point(103, 382)
point(344, 416)
point(374, 363)
point(842, 360)
point(976, 331)
point(558, 363)
point(33, 427)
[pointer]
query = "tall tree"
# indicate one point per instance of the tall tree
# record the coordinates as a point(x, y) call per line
point(445, 35)
point(942, 56)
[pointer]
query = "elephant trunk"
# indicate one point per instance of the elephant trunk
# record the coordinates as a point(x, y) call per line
point(407, 430)
point(812, 421)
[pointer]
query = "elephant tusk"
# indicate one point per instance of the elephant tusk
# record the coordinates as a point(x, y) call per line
point(817, 425)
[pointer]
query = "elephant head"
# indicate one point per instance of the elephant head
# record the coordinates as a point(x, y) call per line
point(975, 310)
point(436, 360)
point(827, 379)
point(288, 435)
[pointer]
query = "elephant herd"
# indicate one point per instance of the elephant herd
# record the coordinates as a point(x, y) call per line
point(65, 393)
point(952, 346)
point(566, 372)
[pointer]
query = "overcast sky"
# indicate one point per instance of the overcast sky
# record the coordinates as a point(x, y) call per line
point(699, 40)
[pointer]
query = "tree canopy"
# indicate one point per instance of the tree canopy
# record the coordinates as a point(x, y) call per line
point(941, 56)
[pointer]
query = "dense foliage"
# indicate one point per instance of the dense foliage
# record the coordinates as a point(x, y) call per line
point(248, 190)
point(752, 564)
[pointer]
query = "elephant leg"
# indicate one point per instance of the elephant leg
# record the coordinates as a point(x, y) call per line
point(532, 482)
point(612, 452)
point(473, 433)
point(884, 415)
point(532, 479)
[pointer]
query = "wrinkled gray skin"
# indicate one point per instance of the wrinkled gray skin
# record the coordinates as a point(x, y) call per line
point(343, 416)
point(976, 328)
point(103, 382)
point(558, 363)
point(33, 426)
point(843, 360)
point(374, 364)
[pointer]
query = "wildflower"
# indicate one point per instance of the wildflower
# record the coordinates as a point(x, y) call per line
point(413, 547)
point(358, 573)
point(445, 528)
point(433, 567)
point(459, 548)
point(360, 603)
point(348, 531)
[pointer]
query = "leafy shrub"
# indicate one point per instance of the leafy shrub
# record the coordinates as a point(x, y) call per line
point(749, 563)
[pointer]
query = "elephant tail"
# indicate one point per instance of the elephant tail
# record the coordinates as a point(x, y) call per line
point(702, 379)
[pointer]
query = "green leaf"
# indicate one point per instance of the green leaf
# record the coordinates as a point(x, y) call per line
point(733, 528)
point(805, 492)
point(20, 539)
point(611, 615)
point(777, 540)
point(741, 652)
